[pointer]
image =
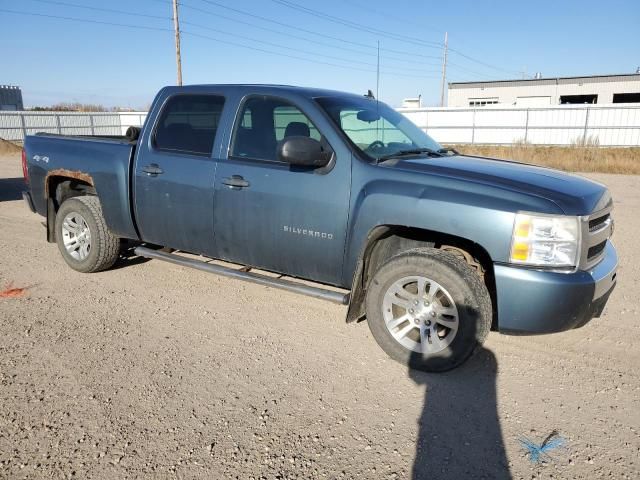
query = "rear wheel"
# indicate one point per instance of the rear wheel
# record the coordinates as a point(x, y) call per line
point(84, 240)
point(428, 309)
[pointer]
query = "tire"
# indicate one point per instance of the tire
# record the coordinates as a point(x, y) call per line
point(85, 252)
point(428, 309)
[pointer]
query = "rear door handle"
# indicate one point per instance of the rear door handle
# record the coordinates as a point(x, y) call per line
point(152, 169)
point(235, 181)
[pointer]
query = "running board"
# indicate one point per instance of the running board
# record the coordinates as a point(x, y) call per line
point(322, 293)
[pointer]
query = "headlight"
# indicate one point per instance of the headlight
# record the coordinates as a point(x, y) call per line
point(545, 240)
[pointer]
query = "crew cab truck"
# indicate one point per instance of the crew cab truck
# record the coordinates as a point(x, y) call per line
point(434, 248)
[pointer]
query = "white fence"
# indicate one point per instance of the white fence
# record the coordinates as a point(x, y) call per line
point(609, 125)
point(15, 125)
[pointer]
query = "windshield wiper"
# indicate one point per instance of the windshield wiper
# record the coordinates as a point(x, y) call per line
point(449, 151)
point(412, 151)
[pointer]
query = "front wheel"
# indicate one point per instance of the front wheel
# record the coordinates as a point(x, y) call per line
point(428, 309)
point(84, 240)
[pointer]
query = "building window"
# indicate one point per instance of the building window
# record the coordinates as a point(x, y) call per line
point(481, 102)
point(626, 98)
point(569, 99)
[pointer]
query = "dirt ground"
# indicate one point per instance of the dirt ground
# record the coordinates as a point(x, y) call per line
point(156, 371)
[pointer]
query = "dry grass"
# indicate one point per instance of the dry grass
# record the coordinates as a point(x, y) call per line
point(575, 158)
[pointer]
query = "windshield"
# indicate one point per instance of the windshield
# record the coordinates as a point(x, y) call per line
point(376, 129)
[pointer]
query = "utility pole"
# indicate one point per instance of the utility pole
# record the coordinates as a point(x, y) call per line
point(176, 27)
point(444, 67)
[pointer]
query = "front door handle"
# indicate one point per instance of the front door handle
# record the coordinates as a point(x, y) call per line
point(235, 181)
point(152, 169)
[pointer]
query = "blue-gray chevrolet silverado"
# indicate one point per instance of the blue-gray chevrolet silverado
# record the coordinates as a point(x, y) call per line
point(434, 248)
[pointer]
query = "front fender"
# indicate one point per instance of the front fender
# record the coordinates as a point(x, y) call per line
point(479, 213)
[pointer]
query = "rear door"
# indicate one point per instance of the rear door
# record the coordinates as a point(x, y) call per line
point(271, 214)
point(175, 171)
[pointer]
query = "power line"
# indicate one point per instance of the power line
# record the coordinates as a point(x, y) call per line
point(98, 9)
point(272, 30)
point(311, 32)
point(405, 21)
point(299, 37)
point(86, 20)
point(294, 49)
point(217, 40)
point(480, 62)
point(223, 32)
point(465, 69)
point(358, 26)
point(342, 47)
point(254, 48)
point(135, 14)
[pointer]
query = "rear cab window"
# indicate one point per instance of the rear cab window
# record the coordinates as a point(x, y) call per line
point(188, 124)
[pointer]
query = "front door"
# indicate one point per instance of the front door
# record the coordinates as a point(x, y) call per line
point(174, 174)
point(275, 216)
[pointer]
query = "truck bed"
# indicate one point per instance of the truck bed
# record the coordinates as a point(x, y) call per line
point(101, 161)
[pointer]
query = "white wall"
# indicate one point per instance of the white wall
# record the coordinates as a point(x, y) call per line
point(15, 125)
point(611, 125)
point(131, 119)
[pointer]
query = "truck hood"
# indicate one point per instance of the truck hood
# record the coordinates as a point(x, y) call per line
point(575, 195)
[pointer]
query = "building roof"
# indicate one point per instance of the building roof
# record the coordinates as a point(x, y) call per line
point(549, 81)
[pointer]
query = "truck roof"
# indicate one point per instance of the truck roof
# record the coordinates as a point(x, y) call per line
point(268, 88)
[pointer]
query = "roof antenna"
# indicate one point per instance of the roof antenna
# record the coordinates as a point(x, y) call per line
point(369, 94)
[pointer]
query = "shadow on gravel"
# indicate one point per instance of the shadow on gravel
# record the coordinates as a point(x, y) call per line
point(11, 189)
point(127, 256)
point(459, 434)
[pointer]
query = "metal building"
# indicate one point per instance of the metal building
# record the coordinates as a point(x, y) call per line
point(543, 92)
point(10, 98)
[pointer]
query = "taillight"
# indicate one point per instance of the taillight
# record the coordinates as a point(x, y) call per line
point(25, 170)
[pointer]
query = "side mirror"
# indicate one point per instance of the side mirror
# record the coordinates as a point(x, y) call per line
point(303, 151)
point(132, 134)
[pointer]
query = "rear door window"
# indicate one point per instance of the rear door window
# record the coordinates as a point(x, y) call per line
point(188, 124)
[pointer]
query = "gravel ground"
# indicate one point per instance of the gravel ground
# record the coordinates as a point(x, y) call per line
point(153, 370)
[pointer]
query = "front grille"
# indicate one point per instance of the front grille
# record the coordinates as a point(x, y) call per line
point(596, 250)
point(596, 230)
point(598, 223)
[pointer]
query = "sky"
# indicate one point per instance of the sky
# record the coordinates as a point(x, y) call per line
point(121, 57)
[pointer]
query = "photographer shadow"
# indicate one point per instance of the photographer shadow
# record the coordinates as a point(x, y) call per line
point(459, 434)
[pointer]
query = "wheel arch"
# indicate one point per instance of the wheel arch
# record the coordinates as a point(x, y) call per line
point(385, 241)
point(61, 185)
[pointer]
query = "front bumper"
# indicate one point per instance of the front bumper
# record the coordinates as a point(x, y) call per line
point(534, 301)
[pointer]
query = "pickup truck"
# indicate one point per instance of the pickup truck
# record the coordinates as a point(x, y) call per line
point(328, 189)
